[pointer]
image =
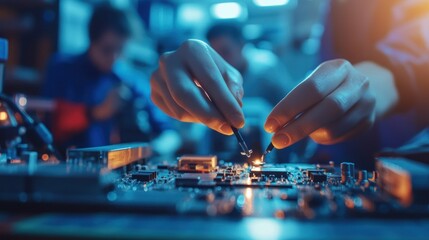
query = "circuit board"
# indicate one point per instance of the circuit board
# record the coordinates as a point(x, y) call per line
point(207, 186)
point(303, 191)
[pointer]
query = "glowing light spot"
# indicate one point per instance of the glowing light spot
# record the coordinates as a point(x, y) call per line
point(191, 13)
point(22, 101)
point(227, 10)
point(257, 162)
point(112, 196)
point(15, 161)
point(270, 3)
point(349, 203)
point(280, 214)
point(249, 194)
point(3, 116)
point(45, 157)
point(264, 228)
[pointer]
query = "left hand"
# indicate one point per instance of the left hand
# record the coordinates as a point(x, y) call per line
point(336, 103)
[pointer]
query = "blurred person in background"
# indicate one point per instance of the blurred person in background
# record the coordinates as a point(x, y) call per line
point(384, 72)
point(90, 96)
point(263, 77)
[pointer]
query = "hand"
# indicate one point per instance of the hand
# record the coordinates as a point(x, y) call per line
point(175, 91)
point(336, 103)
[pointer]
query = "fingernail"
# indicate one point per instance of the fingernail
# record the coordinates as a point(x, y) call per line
point(281, 140)
point(226, 128)
point(238, 121)
point(271, 125)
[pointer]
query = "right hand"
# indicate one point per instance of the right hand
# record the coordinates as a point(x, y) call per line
point(174, 87)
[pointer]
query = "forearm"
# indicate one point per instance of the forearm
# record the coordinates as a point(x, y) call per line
point(382, 84)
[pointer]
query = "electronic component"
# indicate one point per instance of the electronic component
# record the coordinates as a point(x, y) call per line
point(187, 181)
point(309, 172)
point(347, 172)
point(404, 179)
point(318, 177)
point(228, 189)
point(192, 163)
point(144, 176)
point(268, 171)
point(54, 183)
point(363, 178)
point(111, 157)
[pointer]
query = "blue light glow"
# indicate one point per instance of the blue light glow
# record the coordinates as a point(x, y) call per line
point(270, 3)
point(227, 10)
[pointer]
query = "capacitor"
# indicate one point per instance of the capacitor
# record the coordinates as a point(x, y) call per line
point(346, 172)
point(363, 178)
point(374, 176)
point(352, 169)
point(362, 175)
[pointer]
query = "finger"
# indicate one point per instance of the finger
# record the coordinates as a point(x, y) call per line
point(156, 97)
point(208, 75)
point(234, 81)
point(188, 96)
point(360, 127)
point(331, 108)
point(322, 82)
point(359, 118)
point(159, 102)
point(159, 87)
point(231, 76)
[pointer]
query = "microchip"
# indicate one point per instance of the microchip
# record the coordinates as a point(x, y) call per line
point(187, 181)
point(218, 179)
point(276, 172)
point(318, 177)
point(165, 167)
point(144, 176)
point(202, 164)
point(254, 179)
point(309, 172)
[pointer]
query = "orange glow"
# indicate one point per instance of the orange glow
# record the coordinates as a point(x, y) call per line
point(248, 181)
point(249, 194)
point(15, 161)
point(257, 162)
point(283, 196)
point(45, 157)
point(248, 206)
point(349, 203)
point(280, 214)
point(3, 116)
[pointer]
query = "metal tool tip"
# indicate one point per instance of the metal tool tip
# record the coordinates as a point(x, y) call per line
point(258, 162)
point(247, 153)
